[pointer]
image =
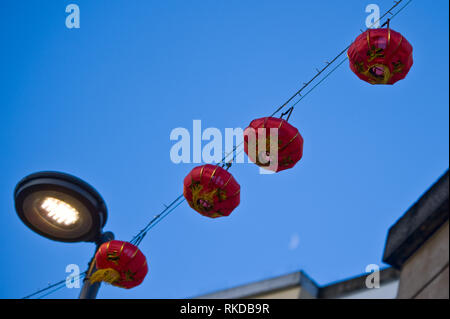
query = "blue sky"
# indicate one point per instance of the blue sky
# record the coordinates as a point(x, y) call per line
point(100, 102)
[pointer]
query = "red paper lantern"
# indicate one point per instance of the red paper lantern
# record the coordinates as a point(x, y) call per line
point(211, 191)
point(380, 56)
point(290, 143)
point(120, 263)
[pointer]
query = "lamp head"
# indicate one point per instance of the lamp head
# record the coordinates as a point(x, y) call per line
point(60, 207)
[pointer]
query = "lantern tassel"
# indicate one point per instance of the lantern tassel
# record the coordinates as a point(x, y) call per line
point(108, 275)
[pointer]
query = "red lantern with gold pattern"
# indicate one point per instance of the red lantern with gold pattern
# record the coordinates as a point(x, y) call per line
point(273, 143)
point(119, 263)
point(212, 191)
point(380, 56)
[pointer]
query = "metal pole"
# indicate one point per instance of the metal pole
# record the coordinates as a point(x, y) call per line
point(89, 291)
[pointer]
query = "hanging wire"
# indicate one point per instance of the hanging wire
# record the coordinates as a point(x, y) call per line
point(328, 64)
point(136, 240)
point(168, 209)
point(318, 83)
point(289, 111)
point(51, 291)
point(58, 286)
point(319, 72)
point(233, 152)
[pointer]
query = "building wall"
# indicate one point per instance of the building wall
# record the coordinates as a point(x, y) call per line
point(426, 273)
point(386, 291)
point(288, 293)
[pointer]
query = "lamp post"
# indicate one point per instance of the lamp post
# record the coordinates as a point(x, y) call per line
point(63, 208)
point(89, 291)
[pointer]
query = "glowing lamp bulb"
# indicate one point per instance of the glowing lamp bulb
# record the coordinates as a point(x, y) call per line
point(60, 211)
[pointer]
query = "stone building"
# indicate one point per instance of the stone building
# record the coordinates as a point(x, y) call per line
point(417, 248)
point(418, 245)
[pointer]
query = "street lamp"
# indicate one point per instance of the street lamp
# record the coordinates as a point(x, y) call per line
point(64, 208)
